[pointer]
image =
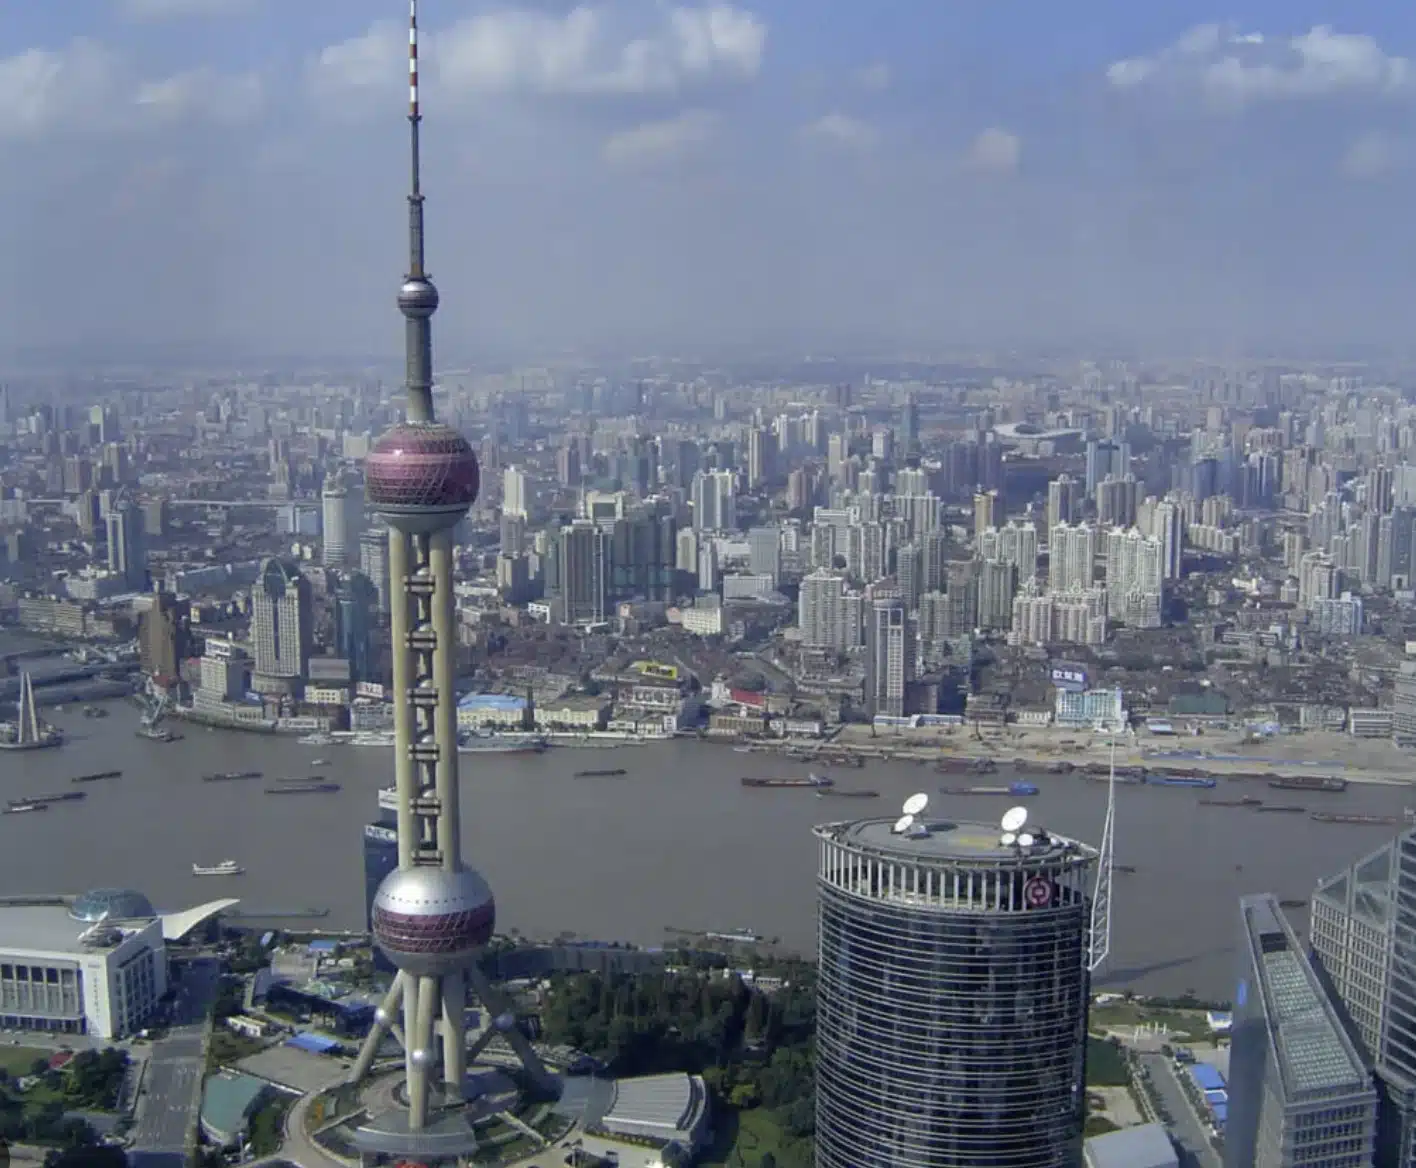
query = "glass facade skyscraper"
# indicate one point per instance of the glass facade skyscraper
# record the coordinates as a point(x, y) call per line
point(1364, 945)
point(952, 996)
point(1300, 1095)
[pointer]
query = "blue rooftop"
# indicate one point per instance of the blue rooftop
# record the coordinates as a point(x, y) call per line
point(1207, 1077)
point(314, 1043)
point(491, 701)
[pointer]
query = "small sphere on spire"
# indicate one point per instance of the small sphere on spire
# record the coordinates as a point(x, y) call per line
point(417, 299)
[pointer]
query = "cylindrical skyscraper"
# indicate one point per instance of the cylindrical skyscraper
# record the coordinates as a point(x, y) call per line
point(432, 915)
point(952, 996)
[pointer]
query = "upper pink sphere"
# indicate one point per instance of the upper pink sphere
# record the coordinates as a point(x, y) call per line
point(421, 476)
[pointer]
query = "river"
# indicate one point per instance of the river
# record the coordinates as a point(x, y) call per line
point(677, 841)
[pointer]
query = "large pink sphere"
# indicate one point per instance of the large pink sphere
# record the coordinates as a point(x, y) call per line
point(421, 476)
point(430, 921)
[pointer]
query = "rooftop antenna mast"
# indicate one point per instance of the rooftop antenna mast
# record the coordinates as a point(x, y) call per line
point(1105, 868)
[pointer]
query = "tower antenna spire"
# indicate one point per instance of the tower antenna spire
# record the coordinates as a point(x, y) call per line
point(418, 298)
point(415, 119)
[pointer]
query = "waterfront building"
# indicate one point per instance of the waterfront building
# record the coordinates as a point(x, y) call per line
point(127, 558)
point(584, 572)
point(1104, 708)
point(1299, 1093)
point(828, 613)
point(890, 654)
point(164, 635)
point(282, 628)
point(952, 995)
point(93, 964)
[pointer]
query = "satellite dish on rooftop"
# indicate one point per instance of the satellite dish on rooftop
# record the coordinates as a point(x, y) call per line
point(1026, 840)
point(1008, 840)
point(916, 804)
point(903, 824)
point(1014, 818)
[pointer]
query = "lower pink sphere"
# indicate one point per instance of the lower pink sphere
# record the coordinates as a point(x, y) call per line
point(421, 476)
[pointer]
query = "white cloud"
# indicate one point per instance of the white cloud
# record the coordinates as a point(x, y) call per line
point(874, 77)
point(42, 89)
point(843, 130)
point(587, 51)
point(87, 87)
point(995, 151)
point(1370, 155)
point(178, 9)
point(203, 93)
point(1230, 68)
point(656, 140)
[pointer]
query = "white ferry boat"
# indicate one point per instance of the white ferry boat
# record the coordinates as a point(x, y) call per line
point(225, 868)
point(318, 738)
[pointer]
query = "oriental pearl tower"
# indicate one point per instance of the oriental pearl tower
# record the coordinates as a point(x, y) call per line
point(432, 915)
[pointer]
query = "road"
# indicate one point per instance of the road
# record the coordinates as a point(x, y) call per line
point(1184, 1126)
point(172, 1086)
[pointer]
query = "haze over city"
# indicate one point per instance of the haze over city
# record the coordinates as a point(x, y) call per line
point(637, 177)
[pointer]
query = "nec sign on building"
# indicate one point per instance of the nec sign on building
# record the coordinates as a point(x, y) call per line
point(1069, 677)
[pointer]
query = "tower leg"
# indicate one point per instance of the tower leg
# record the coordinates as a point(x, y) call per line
point(421, 1036)
point(454, 1033)
point(369, 1051)
point(498, 1005)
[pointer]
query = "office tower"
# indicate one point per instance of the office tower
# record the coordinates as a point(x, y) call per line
point(951, 1006)
point(380, 861)
point(1362, 922)
point(764, 553)
point(828, 613)
point(373, 562)
point(335, 525)
point(1299, 1094)
point(909, 423)
point(282, 627)
point(1062, 501)
point(164, 636)
point(889, 655)
point(761, 457)
point(714, 501)
point(514, 500)
point(988, 512)
point(355, 609)
point(838, 452)
point(1105, 459)
point(568, 464)
point(1072, 557)
point(642, 551)
point(432, 915)
point(584, 572)
point(882, 445)
point(126, 555)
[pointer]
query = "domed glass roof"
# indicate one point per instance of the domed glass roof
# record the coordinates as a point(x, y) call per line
point(115, 904)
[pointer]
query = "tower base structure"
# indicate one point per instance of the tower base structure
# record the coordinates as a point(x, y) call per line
point(447, 1131)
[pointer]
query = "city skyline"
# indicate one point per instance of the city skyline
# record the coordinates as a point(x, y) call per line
point(634, 176)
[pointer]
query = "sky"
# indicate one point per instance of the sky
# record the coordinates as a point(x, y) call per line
point(637, 176)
